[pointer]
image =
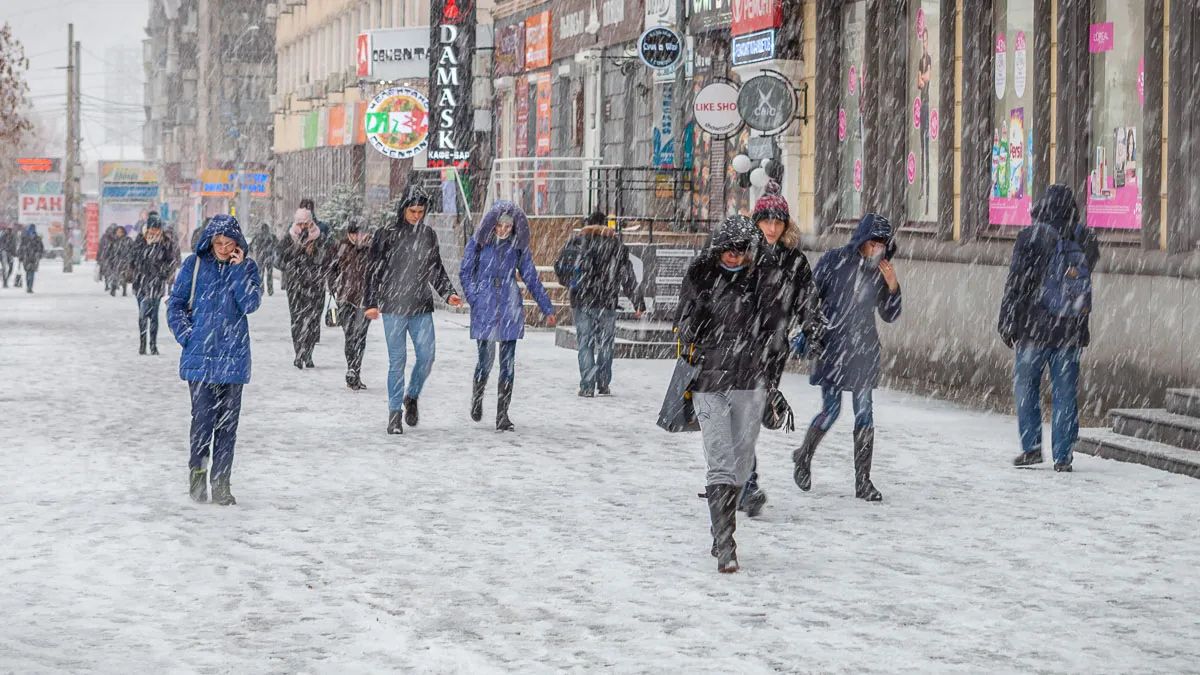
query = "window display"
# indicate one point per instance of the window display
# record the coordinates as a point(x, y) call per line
point(924, 73)
point(852, 113)
point(1012, 133)
point(1117, 45)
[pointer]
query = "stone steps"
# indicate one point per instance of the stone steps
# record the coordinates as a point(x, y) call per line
point(1112, 445)
point(1184, 402)
point(1161, 426)
point(566, 338)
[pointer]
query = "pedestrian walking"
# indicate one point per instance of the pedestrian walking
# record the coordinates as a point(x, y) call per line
point(348, 282)
point(198, 233)
point(264, 248)
point(30, 253)
point(496, 253)
point(789, 302)
point(306, 256)
point(596, 268)
point(307, 203)
point(217, 287)
point(103, 250)
point(117, 258)
point(853, 283)
point(405, 265)
point(720, 328)
point(1045, 316)
point(8, 251)
point(152, 262)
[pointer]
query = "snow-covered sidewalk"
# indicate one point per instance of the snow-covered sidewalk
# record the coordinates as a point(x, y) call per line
point(575, 544)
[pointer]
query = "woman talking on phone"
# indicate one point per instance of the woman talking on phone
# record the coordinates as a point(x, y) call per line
point(215, 290)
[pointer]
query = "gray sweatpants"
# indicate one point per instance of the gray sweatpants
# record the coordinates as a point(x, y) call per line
point(729, 424)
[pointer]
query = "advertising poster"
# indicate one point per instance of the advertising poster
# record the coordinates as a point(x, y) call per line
point(522, 117)
point(1012, 171)
point(91, 219)
point(1114, 192)
point(541, 184)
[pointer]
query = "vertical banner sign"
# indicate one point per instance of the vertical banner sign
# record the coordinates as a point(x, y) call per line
point(452, 48)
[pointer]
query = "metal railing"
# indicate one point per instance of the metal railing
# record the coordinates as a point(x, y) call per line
point(543, 186)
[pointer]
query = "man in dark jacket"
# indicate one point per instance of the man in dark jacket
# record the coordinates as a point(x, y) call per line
point(721, 328)
point(595, 266)
point(152, 261)
point(305, 257)
point(405, 264)
point(118, 256)
point(30, 253)
point(264, 248)
point(853, 283)
point(347, 282)
point(1044, 315)
point(8, 252)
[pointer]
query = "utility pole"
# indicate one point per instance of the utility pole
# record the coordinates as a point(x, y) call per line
point(71, 159)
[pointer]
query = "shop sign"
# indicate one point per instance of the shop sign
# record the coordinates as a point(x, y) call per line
point(1001, 65)
point(660, 13)
point(138, 192)
point(397, 122)
point(394, 54)
point(537, 40)
point(664, 133)
point(573, 30)
point(715, 109)
point(39, 209)
point(767, 103)
point(1100, 38)
point(660, 47)
point(452, 37)
point(753, 47)
point(544, 114)
point(128, 172)
point(618, 26)
point(750, 16)
point(510, 49)
point(707, 15)
point(362, 55)
point(224, 183)
point(38, 164)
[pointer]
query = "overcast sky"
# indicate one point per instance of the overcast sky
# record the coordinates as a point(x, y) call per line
point(41, 25)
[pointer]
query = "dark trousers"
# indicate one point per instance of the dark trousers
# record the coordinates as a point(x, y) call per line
point(487, 356)
point(148, 318)
point(266, 277)
point(216, 409)
point(355, 325)
point(29, 279)
point(6, 266)
point(597, 333)
point(306, 321)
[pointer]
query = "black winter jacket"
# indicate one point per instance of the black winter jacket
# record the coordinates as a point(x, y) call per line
point(788, 300)
point(151, 266)
point(307, 269)
point(595, 266)
point(405, 263)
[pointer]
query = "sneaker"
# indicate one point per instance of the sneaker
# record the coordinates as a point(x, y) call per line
point(1029, 458)
point(411, 416)
point(586, 393)
point(603, 390)
point(1064, 467)
point(198, 485)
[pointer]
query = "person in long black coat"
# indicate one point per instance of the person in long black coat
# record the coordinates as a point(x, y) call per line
point(8, 251)
point(264, 248)
point(853, 283)
point(30, 253)
point(117, 257)
point(305, 256)
point(151, 262)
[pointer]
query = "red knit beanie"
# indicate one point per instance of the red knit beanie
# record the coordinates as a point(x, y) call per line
point(771, 205)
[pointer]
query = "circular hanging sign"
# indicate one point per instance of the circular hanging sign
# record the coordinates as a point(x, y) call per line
point(660, 47)
point(767, 102)
point(397, 122)
point(716, 109)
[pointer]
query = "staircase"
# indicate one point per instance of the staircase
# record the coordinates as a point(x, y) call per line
point(635, 340)
point(1167, 439)
point(560, 297)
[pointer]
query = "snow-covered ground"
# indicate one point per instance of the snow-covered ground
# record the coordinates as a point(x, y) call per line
point(575, 544)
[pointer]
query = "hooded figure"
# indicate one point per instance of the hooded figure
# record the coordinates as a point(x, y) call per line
point(119, 256)
point(721, 327)
point(405, 267)
point(853, 284)
point(498, 250)
point(8, 251)
point(1044, 315)
point(32, 248)
point(305, 256)
point(152, 260)
point(215, 291)
point(596, 267)
point(347, 283)
point(264, 248)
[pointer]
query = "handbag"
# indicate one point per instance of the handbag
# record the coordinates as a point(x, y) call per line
point(777, 413)
point(331, 313)
point(678, 412)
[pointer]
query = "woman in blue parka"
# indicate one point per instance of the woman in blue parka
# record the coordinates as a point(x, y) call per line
point(499, 249)
point(853, 283)
point(215, 290)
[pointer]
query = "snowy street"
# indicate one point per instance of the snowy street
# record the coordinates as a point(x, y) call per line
point(575, 544)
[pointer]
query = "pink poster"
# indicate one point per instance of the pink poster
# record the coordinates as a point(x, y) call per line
point(1100, 38)
point(1114, 196)
point(1011, 201)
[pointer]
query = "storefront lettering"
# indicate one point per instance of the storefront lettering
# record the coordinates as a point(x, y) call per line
point(614, 12)
point(450, 82)
point(572, 25)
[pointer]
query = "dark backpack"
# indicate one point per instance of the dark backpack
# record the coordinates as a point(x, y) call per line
point(1067, 281)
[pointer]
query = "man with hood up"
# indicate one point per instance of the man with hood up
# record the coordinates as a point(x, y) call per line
point(32, 248)
point(265, 247)
point(152, 261)
point(215, 290)
point(1044, 316)
point(347, 281)
point(852, 283)
point(405, 265)
point(8, 251)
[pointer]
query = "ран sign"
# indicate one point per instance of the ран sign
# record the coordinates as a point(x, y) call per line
point(453, 38)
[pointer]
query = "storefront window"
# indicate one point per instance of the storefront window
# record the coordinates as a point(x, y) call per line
point(1013, 119)
point(924, 126)
point(852, 114)
point(1117, 46)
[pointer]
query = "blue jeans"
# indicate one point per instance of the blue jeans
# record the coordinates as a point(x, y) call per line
point(487, 355)
point(1027, 390)
point(148, 318)
point(596, 330)
point(395, 330)
point(216, 409)
point(864, 416)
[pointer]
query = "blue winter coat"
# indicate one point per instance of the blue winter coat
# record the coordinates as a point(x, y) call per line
point(488, 276)
point(850, 293)
point(215, 334)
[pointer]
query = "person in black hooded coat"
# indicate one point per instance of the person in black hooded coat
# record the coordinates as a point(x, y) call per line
point(305, 256)
point(853, 284)
point(151, 262)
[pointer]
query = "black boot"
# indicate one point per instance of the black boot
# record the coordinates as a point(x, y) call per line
point(864, 450)
point(198, 485)
point(154, 342)
point(411, 416)
point(142, 345)
point(753, 499)
point(308, 362)
point(502, 401)
point(722, 510)
point(221, 494)
point(477, 399)
point(298, 362)
point(395, 422)
point(354, 381)
point(802, 458)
